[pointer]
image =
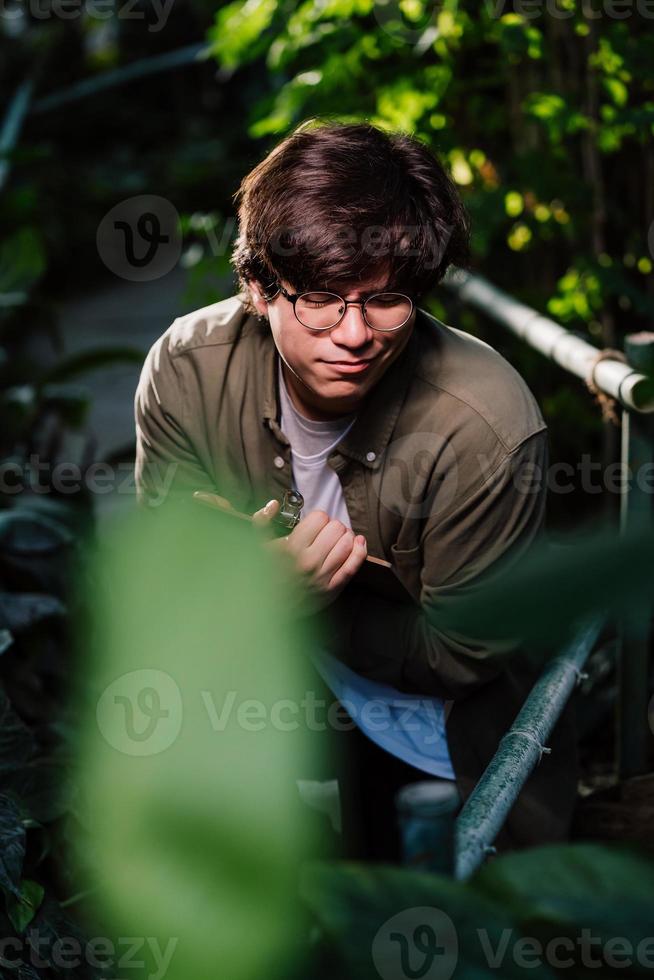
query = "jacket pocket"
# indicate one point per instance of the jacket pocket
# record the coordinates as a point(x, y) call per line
point(407, 564)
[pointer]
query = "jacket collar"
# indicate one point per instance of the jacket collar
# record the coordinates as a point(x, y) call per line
point(368, 438)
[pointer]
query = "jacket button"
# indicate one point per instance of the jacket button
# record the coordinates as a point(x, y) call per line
point(278, 462)
point(371, 457)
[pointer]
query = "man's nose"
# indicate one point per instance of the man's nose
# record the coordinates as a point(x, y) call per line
point(352, 329)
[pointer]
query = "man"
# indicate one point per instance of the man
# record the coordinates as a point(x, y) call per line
point(410, 440)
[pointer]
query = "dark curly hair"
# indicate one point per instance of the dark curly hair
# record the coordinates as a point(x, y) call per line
point(335, 203)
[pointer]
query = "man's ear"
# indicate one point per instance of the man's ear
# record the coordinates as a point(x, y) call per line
point(257, 298)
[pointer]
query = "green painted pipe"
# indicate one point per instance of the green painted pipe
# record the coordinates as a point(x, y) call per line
point(519, 751)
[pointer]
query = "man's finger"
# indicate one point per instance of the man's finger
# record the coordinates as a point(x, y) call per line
point(212, 500)
point(351, 564)
point(264, 516)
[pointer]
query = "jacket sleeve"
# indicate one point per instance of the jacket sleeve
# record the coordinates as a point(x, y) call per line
point(490, 529)
point(166, 464)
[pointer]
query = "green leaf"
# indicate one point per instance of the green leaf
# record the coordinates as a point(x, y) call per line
point(402, 105)
point(617, 90)
point(237, 27)
point(22, 908)
point(559, 890)
point(12, 845)
point(209, 829)
point(389, 921)
point(48, 930)
point(17, 743)
point(41, 786)
point(545, 593)
point(22, 261)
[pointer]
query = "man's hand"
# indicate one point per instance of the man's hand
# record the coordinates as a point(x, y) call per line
point(324, 554)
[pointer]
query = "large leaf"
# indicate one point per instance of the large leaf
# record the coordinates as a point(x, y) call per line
point(387, 922)
point(17, 743)
point(41, 786)
point(560, 890)
point(21, 909)
point(196, 825)
point(548, 591)
point(48, 931)
point(12, 846)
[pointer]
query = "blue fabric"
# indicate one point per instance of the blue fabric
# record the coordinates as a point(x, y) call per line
point(408, 726)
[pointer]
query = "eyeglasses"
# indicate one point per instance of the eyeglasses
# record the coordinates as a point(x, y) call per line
point(321, 310)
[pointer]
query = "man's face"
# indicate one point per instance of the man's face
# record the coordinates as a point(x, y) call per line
point(319, 386)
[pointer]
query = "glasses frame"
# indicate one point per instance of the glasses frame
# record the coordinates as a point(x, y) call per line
point(294, 297)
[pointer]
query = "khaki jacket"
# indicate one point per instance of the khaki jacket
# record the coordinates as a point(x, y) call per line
point(439, 473)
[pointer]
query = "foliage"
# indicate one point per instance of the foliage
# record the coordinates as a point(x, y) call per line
point(522, 914)
point(535, 134)
point(42, 534)
point(546, 119)
point(38, 554)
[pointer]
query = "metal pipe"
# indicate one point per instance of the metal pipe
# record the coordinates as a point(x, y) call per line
point(12, 125)
point(621, 381)
point(519, 751)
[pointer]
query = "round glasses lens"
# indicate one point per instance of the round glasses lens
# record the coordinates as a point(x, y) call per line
point(319, 310)
point(387, 311)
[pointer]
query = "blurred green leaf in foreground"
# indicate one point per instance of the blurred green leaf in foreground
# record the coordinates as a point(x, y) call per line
point(540, 599)
point(190, 746)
